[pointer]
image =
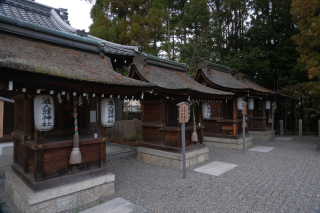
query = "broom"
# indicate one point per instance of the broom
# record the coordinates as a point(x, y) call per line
point(194, 137)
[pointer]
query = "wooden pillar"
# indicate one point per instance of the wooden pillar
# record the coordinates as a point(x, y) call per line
point(38, 157)
point(300, 127)
point(163, 120)
point(200, 137)
point(281, 127)
point(235, 116)
point(264, 114)
point(1, 118)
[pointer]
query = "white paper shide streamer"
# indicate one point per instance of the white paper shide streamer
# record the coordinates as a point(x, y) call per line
point(44, 112)
point(107, 112)
point(206, 110)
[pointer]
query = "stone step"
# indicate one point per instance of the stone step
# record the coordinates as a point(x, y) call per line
point(121, 155)
point(3, 170)
point(6, 161)
point(7, 151)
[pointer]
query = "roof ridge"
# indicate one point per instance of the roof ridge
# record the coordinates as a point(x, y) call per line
point(211, 65)
point(143, 58)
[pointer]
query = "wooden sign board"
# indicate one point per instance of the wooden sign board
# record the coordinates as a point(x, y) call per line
point(245, 111)
point(183, 113)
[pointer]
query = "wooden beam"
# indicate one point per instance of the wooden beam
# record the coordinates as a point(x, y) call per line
point(235, 116)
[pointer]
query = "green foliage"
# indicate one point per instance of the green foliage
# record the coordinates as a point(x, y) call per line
point(133, 137)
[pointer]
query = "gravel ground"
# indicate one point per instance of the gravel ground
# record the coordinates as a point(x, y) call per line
point(287, 179)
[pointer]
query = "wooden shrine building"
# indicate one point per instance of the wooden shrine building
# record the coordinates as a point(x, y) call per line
point(56, 19)
point(58, 79)
point(225, 121)
point(161, 133)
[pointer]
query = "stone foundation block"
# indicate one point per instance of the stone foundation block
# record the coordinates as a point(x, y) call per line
point(224, 143)
point(60, 198)
point(172, 160)
point(261, 135)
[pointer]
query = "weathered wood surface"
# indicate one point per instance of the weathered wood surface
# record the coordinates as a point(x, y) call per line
point(123, 128)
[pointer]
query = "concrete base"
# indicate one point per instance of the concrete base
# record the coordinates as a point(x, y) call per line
point(171, 160)
point(261, 135)
point(225, 143)
point(60, 198)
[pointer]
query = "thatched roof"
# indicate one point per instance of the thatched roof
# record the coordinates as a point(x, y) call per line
point(250, 82)
point(169, 75)
point(27, 54)
point(219, 75)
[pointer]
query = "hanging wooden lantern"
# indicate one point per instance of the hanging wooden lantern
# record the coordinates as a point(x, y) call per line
point(44, 112)
point(107, 112)
point(250, 103)
point(275, 104)
point(206, 110)
point(239, 102)
point(268, 104)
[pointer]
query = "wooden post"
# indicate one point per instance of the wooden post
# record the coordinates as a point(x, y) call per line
point(1, 118)
point(264, 121)
point(235, 116)
point(281, 127)
point(300, 127)
point(38, 157)
point(319, 127)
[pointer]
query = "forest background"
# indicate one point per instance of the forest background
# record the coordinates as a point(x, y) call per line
point(277, 42)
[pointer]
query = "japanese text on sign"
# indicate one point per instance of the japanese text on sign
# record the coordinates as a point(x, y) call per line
point(183, 113)
point(46, 112)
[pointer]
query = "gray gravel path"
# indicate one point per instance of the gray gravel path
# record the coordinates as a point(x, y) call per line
point(287, 179)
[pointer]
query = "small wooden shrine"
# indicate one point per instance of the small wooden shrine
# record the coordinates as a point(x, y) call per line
point(226, 117)
point(161, 127)
point(62, 83)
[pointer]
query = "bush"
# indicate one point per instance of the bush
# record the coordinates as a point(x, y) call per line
point(133, 137)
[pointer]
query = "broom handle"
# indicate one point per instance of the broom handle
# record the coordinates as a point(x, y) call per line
point(75, 116)
point(194, 120)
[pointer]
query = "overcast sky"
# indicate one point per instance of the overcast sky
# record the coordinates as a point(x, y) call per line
point(79, 11)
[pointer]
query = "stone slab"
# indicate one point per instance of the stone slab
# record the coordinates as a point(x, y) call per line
point(283, 139)
point(171, 160)
point(172, 155)
point(261, 132)
point(110, 150)
point(5, 145)
point(117, 205)
point(227, 140)
point(215, 168)
point(265, 149)
point(7, 151)
point(6, 161)
point(38, 197)
point(228, 146)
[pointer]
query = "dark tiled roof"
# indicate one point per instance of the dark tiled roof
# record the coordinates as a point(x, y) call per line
point(27, 54)
point(170, 75)
point(56, 19)
point(117, 49)
point(220, 75)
